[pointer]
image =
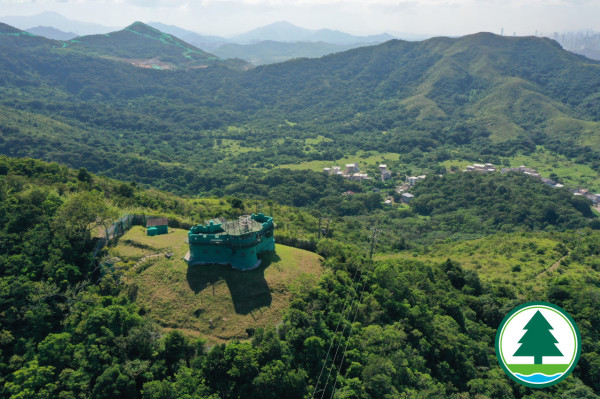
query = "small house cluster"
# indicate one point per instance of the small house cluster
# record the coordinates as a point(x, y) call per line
point(595, 198)
point(526, 171)
point(410, 182)
point(352, 172)
point(482, 168)
point(533, 173)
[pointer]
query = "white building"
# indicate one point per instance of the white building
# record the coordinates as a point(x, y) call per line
point(385, 173)
point(407, 197)
point(351, 168)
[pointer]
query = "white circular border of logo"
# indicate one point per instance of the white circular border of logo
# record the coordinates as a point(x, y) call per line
point(560, 320)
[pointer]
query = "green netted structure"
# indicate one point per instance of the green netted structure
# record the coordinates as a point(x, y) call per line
point(237, 243)
point(157, 226)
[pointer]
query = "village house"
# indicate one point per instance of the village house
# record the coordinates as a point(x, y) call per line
point(351, 172)
point(482, 168)
point(385, 173)
point(412, 180)
point(407, 197)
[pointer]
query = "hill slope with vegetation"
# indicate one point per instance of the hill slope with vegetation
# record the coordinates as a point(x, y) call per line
point(474, 97)
point(145, 46)
point(393, 327)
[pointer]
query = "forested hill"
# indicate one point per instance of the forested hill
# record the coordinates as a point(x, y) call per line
point(139, 42)
point(416, 326)
point(485, 93)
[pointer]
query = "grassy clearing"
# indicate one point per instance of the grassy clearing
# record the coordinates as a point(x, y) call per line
point(460, 164)
point(214, 301)
point(525, 261)
point(234, 147)
point(545, 162)
point(363, 159)
point(569, 172)
point(317, 140)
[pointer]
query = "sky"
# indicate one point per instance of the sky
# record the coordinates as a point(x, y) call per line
point(419, 17)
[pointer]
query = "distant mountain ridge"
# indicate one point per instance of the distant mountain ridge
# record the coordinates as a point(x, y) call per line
point(286, 32)
point(270, 52)
point(56, 21)
point(51, 33)
point(272, 43)
point(204, 42)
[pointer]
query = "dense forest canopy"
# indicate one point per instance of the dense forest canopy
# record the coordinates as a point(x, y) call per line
point(401, 327)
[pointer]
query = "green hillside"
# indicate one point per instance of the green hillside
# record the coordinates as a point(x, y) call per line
point(476, 98)
point(413, 322)
point(320, 316)
point(270, 52)
point(143, 46)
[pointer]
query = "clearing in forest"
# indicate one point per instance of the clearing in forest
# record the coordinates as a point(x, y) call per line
point(214, 301)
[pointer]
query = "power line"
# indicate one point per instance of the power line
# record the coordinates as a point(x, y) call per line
point(340, 342)
point(348, 340)
point(356, 272)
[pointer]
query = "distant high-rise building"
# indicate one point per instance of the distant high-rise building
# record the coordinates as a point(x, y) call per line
point(502, 32)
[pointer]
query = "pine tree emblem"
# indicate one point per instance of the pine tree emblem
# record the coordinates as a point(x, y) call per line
point(538, 341)
point(538, 344)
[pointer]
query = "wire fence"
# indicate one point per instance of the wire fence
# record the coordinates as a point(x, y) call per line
point(121, 226)
point(118, 228)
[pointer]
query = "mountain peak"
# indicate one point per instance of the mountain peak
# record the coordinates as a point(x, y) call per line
point(52, 33)
point(282, 23)
point(139, 26)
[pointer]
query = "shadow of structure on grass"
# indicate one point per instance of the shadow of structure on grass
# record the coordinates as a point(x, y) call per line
point(249, 289)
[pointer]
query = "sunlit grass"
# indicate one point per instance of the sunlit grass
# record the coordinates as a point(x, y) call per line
point(214, 301)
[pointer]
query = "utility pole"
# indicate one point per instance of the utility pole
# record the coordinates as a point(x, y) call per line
point(319, 233)
point(373, 236)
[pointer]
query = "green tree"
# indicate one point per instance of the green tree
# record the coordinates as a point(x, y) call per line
point(32, 381)
point(538, 341)
point(84, 211)
point(112, 384)
point(84, 175)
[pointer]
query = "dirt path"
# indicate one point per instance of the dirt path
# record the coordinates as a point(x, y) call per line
point(146, 257)
point(554, 266)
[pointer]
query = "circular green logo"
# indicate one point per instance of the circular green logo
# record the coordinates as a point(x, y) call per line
point(538, 344)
